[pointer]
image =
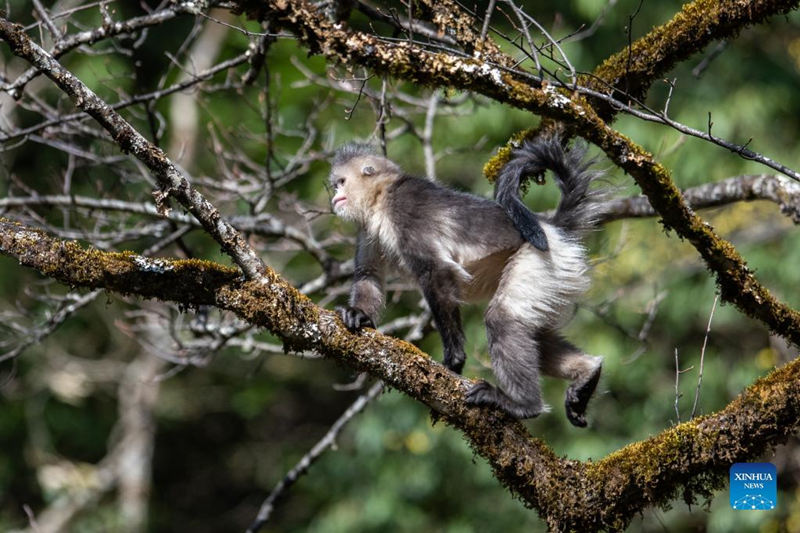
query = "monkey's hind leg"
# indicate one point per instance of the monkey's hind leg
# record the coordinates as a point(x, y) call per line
point(514, 355)
point(526, 295)
point(562, 359)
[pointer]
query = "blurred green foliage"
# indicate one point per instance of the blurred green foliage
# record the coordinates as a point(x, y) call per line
point(229, 431)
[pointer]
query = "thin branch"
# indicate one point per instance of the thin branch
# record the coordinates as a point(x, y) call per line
point(415, 333)
point(104, 32)
point(661, 117)
point(704, 64)
point(136, 99)
point(51, 27)
point(67, 309)
point(553, 42)
point(487, 18)
point(703, 358)
point(328, 441)
point(262, 224)
point(427, 136)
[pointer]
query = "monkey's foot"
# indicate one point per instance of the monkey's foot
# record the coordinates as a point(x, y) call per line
point(483, 394)
point(578, 395)
point(354, 318)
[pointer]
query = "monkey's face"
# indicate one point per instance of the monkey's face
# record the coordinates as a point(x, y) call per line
point(358, 184)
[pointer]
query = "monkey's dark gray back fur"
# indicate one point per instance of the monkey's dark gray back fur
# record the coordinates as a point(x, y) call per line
point(579, 209)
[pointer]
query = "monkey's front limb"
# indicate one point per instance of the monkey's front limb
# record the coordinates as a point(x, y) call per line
point(440, 288)
point(366, 295)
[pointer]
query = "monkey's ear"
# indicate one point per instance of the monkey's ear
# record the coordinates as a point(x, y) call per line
point(368, 171)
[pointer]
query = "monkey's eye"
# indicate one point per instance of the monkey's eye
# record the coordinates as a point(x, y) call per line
point(368, 171)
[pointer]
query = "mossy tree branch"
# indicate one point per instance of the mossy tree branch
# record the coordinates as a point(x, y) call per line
point(570, 495)
point(633, 69)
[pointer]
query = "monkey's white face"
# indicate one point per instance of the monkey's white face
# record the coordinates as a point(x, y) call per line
point(339, 200)
point(358, 183)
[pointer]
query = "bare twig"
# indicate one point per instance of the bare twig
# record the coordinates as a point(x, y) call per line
point(487, 18)
point(702, 358)
point(51, 27)
point(137, 99)
point(108, 30)
point(308, 459)
point(67, 309)
point(427, 137)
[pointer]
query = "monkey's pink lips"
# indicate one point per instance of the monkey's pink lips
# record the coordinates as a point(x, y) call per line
point(339, 200)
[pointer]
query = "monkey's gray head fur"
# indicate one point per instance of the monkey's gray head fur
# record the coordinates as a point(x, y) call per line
point(350, 150)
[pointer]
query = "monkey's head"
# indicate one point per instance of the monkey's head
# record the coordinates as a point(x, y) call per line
point(359, 177)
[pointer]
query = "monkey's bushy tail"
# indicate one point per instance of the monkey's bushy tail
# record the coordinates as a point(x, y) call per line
point(579, 209)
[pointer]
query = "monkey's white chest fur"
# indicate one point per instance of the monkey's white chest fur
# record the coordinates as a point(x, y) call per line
point(379, 226)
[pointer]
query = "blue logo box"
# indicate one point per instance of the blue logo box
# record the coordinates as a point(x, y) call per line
point(754, 486)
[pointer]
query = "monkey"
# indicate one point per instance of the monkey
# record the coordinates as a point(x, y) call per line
point(461, 247)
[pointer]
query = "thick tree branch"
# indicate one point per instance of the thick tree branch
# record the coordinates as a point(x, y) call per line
point(570, 494)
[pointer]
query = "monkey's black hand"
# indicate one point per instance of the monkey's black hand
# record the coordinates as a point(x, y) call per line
point(354, 318)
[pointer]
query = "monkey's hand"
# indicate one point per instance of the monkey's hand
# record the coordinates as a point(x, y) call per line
point(354, 318)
